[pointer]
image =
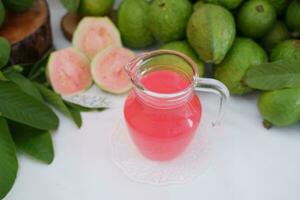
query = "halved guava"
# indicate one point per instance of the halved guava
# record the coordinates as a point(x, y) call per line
point(68, 71)
point(94, 34)
point(108, 69)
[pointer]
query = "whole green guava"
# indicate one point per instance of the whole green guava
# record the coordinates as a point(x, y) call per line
point(132, 23)
point(243, 54)
point(167, 19)
point(211, 32)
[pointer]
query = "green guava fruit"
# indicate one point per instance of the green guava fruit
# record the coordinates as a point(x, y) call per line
point(286, 50)
point(94, 34)
point(68, 71)
point(95, 7)
point(185, 48)
point(211, 32)
point(198, 4)
point(281, 107)
point(279, 5)
point(4, 51)
point(132, 23)
point(255, 18)
point(71, 5)
point(292, 17)
point(17, 5)
point(277, 34)
point(2, 13)
point(167, 19)
point(108, 69)
point(243, 54)
point(229, 4)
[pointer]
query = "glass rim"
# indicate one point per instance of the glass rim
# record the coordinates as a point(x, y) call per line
point(138, 61)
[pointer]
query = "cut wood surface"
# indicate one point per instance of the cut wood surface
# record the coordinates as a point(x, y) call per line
point(29, 33)
point(69, 24)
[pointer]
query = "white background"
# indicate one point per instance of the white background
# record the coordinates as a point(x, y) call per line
point(250, 162)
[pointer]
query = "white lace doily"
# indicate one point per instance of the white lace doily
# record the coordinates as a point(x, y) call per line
point(95, 98)
point(192, 163)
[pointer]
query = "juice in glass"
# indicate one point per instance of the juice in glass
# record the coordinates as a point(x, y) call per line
point(162, 133)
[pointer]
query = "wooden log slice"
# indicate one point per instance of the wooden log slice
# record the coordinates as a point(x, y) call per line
point(29, 33)
point(69, 24)
point(70, 21)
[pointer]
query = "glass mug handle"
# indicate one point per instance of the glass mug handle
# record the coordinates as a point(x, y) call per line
point(216, 87)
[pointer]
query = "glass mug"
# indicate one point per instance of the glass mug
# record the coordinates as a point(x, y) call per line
point(162, 111)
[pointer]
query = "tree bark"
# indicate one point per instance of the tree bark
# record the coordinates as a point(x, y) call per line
point(29, 33)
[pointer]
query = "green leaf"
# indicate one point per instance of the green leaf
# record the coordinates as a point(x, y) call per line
point(39, 67)
point(8, 159)
point(2, 77)
point(37, 143)
point(84, 109)
point(26, 85)
point(20, 107)
point(273, 76)
point(71, 5)
point(56, 101)
point(76, 116)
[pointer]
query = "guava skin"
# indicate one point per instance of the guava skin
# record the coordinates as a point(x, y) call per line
point(280, 5)
point(229, 4)
point(277, 34)
point(280, 107)
point(198, 4)
point(132, 23)
point(292, 17)
point(185, 48)
point(286, 50)
point(211, 32)
point(255, 18)
point(167, 19)
point(71, 6)
point(95, 7)
point(243, 54)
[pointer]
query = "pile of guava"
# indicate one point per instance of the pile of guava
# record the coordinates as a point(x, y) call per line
point(233, 36)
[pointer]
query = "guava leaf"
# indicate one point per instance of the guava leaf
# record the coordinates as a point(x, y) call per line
point(2, 77)
point(20, 107)
point(76, 116)
point(8, 159)
point(71, 5)
point(37, 143)
point(26, 85)
point(39, 67)
point(275, 75)
point(56, 101)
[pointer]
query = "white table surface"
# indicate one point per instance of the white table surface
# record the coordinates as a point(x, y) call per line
point(250, 162)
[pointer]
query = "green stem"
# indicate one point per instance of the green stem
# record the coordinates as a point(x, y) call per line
point(267, 124)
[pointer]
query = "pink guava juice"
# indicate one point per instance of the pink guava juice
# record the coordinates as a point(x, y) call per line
point(162, 133)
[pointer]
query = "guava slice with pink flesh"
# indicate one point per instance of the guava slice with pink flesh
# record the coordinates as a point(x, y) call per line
point(94, 34)
point(69, 72)
point(108, 69)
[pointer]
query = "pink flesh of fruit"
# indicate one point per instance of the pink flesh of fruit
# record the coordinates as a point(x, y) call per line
point(96, 34)
point(109, 72)
point(69, 72)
